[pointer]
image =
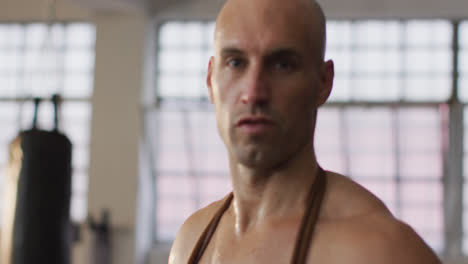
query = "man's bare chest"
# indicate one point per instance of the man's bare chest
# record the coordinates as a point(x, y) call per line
point(255, 249)
point(275, 246)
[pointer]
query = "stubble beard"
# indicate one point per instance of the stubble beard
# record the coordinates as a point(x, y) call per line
point(270, 151)
point(255, 154)
point(266, 153)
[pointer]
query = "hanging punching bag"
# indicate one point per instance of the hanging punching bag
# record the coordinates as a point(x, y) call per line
point(40, 170)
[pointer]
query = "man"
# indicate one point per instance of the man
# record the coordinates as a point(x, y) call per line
point(266, 80)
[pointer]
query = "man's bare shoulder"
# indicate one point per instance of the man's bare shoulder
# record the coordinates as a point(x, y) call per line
point(191, 231)
point(381, 241)
point(364, 231)
point(347, 199)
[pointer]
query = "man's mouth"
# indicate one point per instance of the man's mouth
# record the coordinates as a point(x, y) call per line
point(255, 124)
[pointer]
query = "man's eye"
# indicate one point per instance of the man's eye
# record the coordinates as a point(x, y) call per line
point(235, 63)
point(283, 66)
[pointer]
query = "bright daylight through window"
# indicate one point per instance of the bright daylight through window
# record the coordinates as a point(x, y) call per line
point(463, 93)
point(37, 61)
point(395, 150)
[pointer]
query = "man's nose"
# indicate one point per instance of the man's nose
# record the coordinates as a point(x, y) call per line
point(255, 90)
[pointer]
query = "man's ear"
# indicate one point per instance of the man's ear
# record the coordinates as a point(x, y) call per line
point(208, 79)
point(327, 74)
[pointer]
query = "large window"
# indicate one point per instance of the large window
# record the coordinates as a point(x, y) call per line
point(37, 60)
point(190, 160)
point(463, 62)
point(385, 124)
point(394, 150)
point(463, 94)
point(381, 61)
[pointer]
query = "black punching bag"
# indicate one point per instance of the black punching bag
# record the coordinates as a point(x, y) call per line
point(41, 223)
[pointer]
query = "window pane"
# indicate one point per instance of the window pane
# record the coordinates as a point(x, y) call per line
point(369, 88)
point(215, 187)
point(175, 185)
point(171, 34)
point(170, 220)
point(429, 33)
point(36, 35)
point(429, 61)
point(174, 86)
point(428, 88)
point(377, 33)
point(170, 60)
point(378, 61)
point(189, 34)
point(341, 90)
point(338, 34)
point(32, 59)
point(11, 36)
point(463, 62)
point(9, 84)
point(80, 60)
point(77, 85)
point(329, 140)
point(182, 61)
point(80, 35)
point(11, 60)
point(423, 194)
point(375, 122)
point(391, 60)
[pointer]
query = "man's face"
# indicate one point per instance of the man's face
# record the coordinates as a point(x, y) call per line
point(266, 81)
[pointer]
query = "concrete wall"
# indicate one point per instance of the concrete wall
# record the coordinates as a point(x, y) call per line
point(37, 10)
point(116, 126)
point(454, 9)
point(339, 9)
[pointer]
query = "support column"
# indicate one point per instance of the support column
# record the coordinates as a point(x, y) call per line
point(453, 173)
point(116, 131)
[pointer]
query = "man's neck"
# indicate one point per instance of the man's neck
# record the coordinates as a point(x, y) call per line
point(270, 195)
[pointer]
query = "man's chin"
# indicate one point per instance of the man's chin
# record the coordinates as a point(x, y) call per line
point(256, 158)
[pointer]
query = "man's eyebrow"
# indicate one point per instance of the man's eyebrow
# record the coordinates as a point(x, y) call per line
point(274, 53)
point(231, 51)
point(284, 52)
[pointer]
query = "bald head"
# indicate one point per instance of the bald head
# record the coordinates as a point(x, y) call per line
point(306, 14)
point(321, 23)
